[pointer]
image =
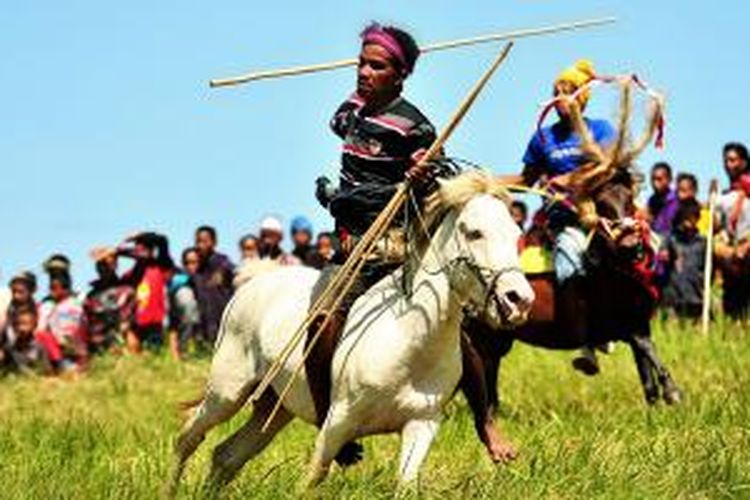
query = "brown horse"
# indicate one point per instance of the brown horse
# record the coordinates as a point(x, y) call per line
point(612, 302)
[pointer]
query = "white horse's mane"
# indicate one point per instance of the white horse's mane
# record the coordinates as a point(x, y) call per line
point(452, 194)
point(455, 192)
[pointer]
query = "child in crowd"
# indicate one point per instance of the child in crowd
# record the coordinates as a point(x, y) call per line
point(687, 189)
point(22, 290)
point(662, 204)
point(61, 330)
point(184, 314)
point(519, 211)
point(683, 255)
point(22, 353)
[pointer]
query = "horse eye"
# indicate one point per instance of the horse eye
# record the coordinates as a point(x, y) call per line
point(474, 234)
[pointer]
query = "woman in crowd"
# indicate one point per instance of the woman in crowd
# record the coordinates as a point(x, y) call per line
point(109, 306)
point(149, 276)
point(249, 248)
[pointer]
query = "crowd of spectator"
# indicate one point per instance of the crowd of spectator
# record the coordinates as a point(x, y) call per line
point(160, 303)
point(683, 224)
point(157, 303)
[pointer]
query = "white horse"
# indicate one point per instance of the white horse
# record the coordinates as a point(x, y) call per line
point(398, 361)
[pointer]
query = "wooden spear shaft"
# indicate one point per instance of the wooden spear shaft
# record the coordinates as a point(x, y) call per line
point(708, 264)
point(451, 44)
point(379, 227)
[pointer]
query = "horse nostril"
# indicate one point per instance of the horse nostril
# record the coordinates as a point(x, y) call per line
point(513, 297)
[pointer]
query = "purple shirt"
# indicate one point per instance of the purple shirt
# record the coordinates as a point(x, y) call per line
point(662, 210)
point(213, 289)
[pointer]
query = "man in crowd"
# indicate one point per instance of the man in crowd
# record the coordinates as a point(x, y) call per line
point(732, 249)
point(302, 235)
point(662, 204)
point(271, 235)
point(212, 282)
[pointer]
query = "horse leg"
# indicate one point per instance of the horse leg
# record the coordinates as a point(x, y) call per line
point(212, 411)
point(650, 389)
point(231, 381)
point(416, 438)
point(337, 430)
point(491, 347)
point(474, 386)
point(247, 442)
point(670, 392)
point(500, 348)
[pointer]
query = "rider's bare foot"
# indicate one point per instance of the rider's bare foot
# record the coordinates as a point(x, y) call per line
point(500, 449)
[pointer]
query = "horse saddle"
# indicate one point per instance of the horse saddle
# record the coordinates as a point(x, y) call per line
point(538, 265)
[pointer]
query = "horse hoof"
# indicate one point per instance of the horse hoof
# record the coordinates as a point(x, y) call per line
point(673, 396)
point(350, 454)
point(586, 366)
point(652, 399)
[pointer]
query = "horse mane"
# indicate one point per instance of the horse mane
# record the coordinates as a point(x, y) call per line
point(452, 194)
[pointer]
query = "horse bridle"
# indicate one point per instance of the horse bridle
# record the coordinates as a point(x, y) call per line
point(487, 277)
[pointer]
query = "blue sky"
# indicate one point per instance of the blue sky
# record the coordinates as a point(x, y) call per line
point(108, 125)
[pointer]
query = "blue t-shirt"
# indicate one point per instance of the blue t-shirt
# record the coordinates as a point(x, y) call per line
point(560, 151)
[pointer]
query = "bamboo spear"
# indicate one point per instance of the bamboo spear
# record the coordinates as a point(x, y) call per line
point(451, 44)
point(708, 264)
point(345, 277)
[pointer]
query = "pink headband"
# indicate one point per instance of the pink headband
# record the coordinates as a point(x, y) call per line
point(378, 36)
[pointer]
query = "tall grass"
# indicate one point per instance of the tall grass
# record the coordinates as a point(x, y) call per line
point(109, 434)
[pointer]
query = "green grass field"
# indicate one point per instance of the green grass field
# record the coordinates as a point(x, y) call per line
point(109, 434)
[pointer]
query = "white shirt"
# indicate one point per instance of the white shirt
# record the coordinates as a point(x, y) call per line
point(5, 297)
point(726, 207)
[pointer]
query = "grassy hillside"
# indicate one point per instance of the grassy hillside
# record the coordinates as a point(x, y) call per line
point(109, 434)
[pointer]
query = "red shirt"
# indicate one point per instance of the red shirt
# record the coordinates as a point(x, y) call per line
point(151, 297)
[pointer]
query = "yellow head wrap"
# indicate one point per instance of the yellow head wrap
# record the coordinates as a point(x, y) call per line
point(579, 74)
